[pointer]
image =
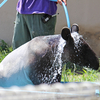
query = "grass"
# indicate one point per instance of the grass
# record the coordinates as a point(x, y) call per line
point(71, 73)
point(80, 74)
point(5, 49)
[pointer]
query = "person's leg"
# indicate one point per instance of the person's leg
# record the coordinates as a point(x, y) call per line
point(38, 28)
point(29, 26)
point(21, 34)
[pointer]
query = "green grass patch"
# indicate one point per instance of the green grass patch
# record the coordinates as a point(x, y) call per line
point(5, 49)
point(75, 74)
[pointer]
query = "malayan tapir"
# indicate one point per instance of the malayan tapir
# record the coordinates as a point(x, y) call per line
point(40, 60)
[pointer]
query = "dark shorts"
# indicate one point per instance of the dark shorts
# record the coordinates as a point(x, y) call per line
point(29, 26)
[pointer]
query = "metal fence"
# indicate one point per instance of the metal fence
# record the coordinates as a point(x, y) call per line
point(58, 91)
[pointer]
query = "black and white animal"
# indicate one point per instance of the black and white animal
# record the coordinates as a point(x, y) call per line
point(40, 60)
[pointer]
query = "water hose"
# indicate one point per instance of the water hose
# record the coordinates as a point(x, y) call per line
point(2, 3)
point(66, 13)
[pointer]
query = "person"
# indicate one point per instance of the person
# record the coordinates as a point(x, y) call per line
point(34, 18)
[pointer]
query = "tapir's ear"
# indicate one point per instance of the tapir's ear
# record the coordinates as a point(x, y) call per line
point(75, 28)
point(65, 33)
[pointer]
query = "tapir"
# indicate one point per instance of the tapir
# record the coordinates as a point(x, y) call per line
point(41, 59)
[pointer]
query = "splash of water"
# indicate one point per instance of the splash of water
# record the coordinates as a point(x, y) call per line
point(76, 38)
point(57, 64)
point(77, 43)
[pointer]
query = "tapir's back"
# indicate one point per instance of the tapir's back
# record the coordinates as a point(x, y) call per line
point(14, 69)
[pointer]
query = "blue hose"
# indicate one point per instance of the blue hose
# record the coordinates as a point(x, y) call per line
point(3, 2)
point(66, 13)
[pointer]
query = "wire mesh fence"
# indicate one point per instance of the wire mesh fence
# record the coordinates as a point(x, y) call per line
point(58, 91)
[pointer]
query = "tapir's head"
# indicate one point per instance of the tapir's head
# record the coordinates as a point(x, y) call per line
point(79, 51)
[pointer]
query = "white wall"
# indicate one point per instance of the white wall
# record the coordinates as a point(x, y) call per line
point(86, 13)
point(7, 17)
